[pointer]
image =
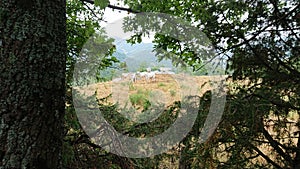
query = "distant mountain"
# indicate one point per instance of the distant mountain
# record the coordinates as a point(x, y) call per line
point(120, 56)
point(138, 55)
point(128, 49)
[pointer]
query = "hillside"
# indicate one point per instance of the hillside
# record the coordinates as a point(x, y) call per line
point(137, 55)
point(166, 89)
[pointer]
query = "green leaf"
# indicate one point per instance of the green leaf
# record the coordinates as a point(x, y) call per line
point(102, 4)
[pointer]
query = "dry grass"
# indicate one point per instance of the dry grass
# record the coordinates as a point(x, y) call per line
point(165, 89)
point(170, 88)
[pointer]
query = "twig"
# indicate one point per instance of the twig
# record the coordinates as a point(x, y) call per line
point(114, 7)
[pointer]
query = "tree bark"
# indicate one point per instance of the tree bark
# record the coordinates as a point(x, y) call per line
point(32, 83)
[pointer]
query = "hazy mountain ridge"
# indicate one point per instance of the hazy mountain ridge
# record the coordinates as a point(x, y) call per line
point(137, 55)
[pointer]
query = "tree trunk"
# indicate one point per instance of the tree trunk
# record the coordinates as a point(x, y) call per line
point(32, 83)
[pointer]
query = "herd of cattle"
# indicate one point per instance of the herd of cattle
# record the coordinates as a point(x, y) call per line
point(148, 75)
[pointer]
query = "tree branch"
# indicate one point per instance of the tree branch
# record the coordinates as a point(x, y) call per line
point(114, 7)
point(265, 157)
point(277, 103)
point(263, 29)
point(276, 147)
point(101, 19)
point(122, 9)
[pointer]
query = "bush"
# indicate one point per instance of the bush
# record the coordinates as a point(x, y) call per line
point(172, 93)
point(140, 99)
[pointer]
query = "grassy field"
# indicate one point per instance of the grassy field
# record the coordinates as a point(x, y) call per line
point(166, 89)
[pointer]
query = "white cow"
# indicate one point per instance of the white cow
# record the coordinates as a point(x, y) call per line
point(134, 77)
point(149, 76)
point(125, 75)
point(165, 69)
point(142, 74)
point(148, 69)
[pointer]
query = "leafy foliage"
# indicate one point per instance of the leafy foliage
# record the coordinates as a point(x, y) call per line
point(81, 25)
point(259, 40)
point(102, 4)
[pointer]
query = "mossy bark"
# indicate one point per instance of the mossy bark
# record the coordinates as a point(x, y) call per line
point(32, 83)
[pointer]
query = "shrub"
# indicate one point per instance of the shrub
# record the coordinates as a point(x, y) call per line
point(172, 93)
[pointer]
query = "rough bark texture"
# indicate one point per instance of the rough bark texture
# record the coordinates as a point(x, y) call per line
point(32, 83)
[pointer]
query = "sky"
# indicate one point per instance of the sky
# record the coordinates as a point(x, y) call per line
point(113, 22)
point(111, 16)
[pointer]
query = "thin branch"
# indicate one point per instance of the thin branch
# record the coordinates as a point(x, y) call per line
point(251, 146)
point(265, 157)
point(282, 30)
point(246, 41)
point(283, 105)
point(276, 147)
point(122, 9)
point(293, 70)
point(100, 19)
point(114, 7)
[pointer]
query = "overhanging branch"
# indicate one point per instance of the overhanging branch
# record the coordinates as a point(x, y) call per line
point(246, 41)
point(114, 7)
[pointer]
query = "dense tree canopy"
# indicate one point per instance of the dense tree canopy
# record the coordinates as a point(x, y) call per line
point(260, 42)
